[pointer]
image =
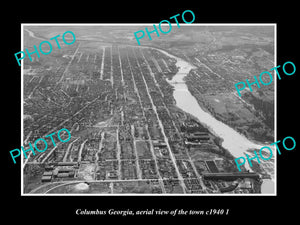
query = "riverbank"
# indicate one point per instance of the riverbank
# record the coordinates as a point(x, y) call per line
point(232, 141)
point(236, 143)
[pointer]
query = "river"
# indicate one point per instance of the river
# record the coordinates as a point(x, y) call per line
point(233, 141)
point(236, 143)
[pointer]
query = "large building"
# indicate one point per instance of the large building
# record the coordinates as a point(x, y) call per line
point(230, 176)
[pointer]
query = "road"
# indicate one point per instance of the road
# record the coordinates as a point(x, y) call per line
point(163, 131)
point(31, 34)
point(147, 129)
point(67, 67)
point(64, 183)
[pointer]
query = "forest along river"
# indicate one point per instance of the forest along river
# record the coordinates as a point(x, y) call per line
point(233, 141)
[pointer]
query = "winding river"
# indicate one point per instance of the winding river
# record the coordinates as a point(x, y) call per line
point(236, 143)
point(233, 141)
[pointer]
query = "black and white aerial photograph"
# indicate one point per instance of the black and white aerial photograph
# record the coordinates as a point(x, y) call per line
point(129, 113)
point(159, 118)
